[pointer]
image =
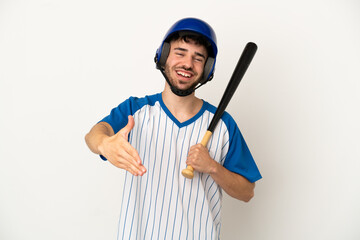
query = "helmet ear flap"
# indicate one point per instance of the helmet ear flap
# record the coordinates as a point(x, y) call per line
point(208, 70)
point(162, 55)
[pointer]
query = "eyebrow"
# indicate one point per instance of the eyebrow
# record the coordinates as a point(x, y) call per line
point(185, 50)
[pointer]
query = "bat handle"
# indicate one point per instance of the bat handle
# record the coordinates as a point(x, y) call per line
point(188, 172)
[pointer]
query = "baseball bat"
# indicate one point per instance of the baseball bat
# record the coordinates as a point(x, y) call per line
point(239, 71)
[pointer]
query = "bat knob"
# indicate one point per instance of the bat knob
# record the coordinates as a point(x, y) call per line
point(188, 172)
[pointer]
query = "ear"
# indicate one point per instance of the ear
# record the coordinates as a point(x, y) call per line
point(162, 55)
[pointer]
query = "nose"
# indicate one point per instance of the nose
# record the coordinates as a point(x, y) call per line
point(188, 63)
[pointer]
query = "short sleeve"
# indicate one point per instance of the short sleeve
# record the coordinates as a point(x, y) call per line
point(239, 158)
point(118, 116)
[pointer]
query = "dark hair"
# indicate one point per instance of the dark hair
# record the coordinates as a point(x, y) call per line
point(186, 36)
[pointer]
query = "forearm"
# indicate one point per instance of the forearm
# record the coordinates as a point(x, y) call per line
point(233, 184)
point(96, 136)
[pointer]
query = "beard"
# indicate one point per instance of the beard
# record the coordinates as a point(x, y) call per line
point(173, 82)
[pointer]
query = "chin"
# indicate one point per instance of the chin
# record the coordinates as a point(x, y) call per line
point(187, 85)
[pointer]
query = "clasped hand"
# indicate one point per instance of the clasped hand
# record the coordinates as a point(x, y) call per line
point(199, 158)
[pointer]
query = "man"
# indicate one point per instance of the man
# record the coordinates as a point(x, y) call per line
point(154, 137)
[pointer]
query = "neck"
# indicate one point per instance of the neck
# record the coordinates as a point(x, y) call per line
point(183, 108)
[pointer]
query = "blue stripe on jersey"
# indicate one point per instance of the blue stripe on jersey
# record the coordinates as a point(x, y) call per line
point(162, 204)
point(152, 179)
point(158, 185)
point(177, 196)
point(167, 171)
point(172, 185)
point(146, 187)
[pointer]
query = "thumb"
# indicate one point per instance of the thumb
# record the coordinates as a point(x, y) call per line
point(129, 126)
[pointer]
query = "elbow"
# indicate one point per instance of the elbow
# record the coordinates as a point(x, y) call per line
point(244, 196)
point(86, 138)
point(248, 196)
point(249, 193)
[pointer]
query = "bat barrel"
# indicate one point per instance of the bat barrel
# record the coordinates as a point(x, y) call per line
point(240, 69)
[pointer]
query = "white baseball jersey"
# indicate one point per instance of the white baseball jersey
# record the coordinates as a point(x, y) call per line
point(162, 204)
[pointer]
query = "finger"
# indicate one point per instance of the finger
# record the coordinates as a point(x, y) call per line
point(126, 162)
point(135, 169)
point(191, 160)
point(196, 147)
point(132, 157)
point(130, 150)
point(193, 153)
point(130, 169)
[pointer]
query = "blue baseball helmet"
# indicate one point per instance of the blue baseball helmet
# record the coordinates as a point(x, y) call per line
point(191, 26)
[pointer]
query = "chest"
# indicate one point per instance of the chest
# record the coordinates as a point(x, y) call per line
point(159, 138)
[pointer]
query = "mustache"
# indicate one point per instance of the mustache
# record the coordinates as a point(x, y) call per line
point(189, 69)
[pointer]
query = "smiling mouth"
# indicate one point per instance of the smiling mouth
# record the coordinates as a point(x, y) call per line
point(184, 74)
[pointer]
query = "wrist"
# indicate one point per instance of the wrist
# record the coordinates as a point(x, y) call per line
point(214, 168)
point(101, 143)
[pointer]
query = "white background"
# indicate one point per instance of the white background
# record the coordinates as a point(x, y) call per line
point(65, 64)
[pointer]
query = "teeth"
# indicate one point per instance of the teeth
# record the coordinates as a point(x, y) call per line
point(183, 74)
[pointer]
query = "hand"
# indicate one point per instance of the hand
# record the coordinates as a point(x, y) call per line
point(199, 158)
point(120, 153)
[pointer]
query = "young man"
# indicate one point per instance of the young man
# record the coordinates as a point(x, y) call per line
point(154, 137)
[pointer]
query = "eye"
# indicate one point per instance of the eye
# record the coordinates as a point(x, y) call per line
point(200, 60)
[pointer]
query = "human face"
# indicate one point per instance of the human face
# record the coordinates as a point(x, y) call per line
point(185, 64)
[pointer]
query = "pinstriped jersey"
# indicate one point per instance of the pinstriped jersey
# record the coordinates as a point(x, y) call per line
point(162, 204)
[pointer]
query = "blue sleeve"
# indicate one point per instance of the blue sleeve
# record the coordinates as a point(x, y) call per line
point(118, 116)
point(239, 158)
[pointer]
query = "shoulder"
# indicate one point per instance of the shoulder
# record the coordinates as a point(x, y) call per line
point(226, 118)
point(135, 103)
point(145, 100)
point(118, 116)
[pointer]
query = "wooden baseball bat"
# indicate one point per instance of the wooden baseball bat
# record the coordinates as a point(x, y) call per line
point(239, 71)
